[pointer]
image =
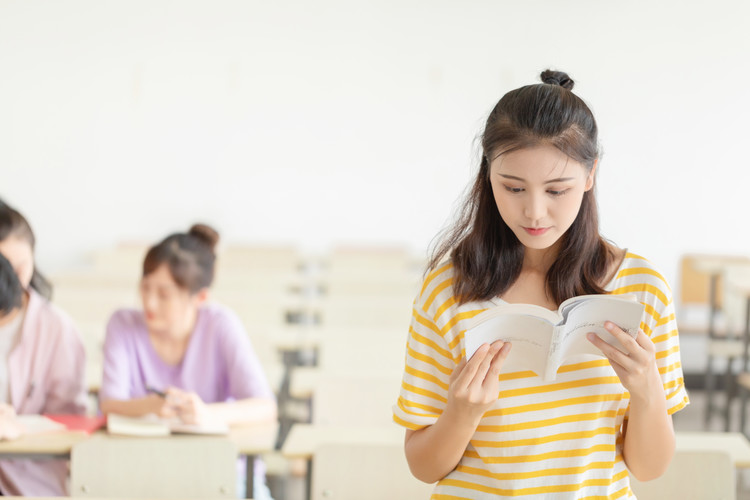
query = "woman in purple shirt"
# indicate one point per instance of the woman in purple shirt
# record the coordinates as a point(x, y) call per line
point(179, 356)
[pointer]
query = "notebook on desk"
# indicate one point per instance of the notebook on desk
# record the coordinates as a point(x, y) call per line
point(80, 423)
point(151, 426)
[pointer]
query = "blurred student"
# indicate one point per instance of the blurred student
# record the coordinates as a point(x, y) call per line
point(181, 357)
point(11, 300)
point(42, 361)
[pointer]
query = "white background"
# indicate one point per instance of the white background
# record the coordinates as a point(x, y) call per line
point(331, 121)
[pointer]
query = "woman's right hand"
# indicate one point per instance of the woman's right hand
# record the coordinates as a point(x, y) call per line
point(10, 427)
point(160, 406)
point(475, 385)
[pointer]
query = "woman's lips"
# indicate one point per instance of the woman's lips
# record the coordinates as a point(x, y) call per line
point(536, 231)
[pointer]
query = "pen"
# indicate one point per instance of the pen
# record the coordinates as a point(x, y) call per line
point(156, 391)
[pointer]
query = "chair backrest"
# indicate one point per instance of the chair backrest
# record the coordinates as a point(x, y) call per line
point(364, 472)
point(692, 475)
point(695, 282)
point(171, 467)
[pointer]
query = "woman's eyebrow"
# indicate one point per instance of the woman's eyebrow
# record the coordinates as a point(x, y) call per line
point(551, 181)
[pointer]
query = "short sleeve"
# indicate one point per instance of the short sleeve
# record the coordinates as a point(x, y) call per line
point(246, 378)
point(428, 367)
point(661, 326)
point(116, 374)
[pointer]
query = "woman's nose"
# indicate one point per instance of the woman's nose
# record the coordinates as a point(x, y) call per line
point(535, 208)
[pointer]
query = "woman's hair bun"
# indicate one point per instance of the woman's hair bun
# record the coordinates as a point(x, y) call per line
point(557, 78)
point(205, 233)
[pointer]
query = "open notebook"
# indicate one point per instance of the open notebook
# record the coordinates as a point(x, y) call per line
point(152, 425)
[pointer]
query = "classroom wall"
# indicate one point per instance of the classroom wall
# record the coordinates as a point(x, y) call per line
point(316, 123)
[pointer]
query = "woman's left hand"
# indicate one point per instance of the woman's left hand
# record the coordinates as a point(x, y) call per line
point(188, 405)
point(637, 370)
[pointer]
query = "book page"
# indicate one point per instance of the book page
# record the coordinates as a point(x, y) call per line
point(529, 335)
point(38, 424)
point(589, 316)
point(151, 425)
point(148, 425)
point(207, 427)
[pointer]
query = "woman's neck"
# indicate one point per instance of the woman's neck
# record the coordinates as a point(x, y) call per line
point(539, 260)
point(171, 345)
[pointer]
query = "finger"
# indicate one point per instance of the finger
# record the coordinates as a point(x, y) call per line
point(627, 341)
point(610, 352)
point(484, 366)
point(457, 370)
point(497, 363)
point(472, 365)
point(645, 341)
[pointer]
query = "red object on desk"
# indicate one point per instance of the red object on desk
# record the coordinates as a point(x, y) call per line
point(80, 422)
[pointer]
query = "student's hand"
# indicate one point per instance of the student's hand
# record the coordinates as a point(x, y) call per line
point(7, 410)
point(637, 371)
point(188, 406)
point(160, 406)
point(474, 384)
point(10, 427)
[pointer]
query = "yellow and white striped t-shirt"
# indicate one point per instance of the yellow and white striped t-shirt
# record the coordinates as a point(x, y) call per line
point(558, 440)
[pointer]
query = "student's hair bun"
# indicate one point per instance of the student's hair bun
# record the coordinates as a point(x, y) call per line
point(206, 234)
point(557, 78)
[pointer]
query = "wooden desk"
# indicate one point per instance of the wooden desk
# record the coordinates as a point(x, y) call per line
point(44, 445)
point(733, 442)
point(251, 440)
point(304, 438)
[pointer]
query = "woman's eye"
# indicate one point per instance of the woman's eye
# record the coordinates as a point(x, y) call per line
point(557, 193)
point(511, 189)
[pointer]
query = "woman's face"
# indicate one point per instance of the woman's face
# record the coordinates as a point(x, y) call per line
point(168, 308)
point(19, 253)
point(538, 192)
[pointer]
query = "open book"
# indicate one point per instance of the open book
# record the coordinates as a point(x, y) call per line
point(152, 425)
point(543, 339)
point(39, 424)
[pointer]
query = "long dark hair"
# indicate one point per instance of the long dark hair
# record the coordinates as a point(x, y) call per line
point(11, 292)
point(189, 256)
point(12, 223)
point(486, 255)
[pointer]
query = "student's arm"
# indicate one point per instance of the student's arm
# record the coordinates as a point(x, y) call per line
point(192, 410)
point(649, 439)
point(138, 407)
point(119, 361)
point(434, 451)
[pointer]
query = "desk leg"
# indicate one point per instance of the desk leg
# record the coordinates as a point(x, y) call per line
point(308, 479)
point(249, 476)
point(729, 384)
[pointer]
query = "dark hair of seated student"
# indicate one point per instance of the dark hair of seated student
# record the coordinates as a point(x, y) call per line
point(14, 224)
point(11, 292)
point(190, 257)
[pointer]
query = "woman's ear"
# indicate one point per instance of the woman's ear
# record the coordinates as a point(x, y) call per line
point(591, 176)
point(201, 297)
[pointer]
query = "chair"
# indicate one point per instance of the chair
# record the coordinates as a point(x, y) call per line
point(364, 472)
point(171, 467)
point(692, 475)
point(703, 282)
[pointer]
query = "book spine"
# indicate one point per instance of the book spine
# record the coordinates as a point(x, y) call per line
point(553, 356)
